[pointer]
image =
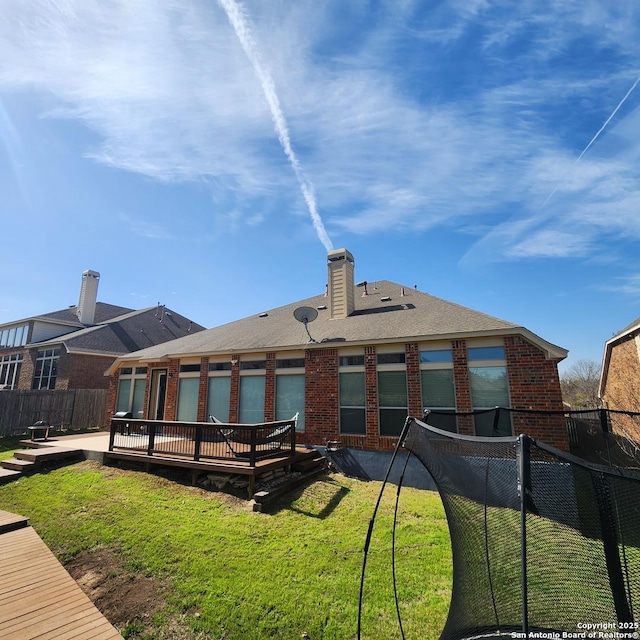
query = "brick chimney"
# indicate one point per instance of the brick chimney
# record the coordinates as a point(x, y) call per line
point(341, 288)
point(88, 297)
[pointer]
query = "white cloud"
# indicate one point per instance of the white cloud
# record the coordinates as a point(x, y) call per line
point(467, 115)
point(627, 285)
point(144, 228)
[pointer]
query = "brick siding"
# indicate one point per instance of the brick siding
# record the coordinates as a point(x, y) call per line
point(622, 387)
point(533, 380)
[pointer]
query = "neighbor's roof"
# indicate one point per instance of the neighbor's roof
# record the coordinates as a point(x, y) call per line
point(407, 314)
point(633, 327)
point(69, 316)
point(128, 332)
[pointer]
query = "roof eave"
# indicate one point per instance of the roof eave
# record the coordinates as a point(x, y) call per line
point(552, 351)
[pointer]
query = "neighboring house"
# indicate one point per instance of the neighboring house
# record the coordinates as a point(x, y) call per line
point(378, 351)
point(620, 379)
point(73, 348)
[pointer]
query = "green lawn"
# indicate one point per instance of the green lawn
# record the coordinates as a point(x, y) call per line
point(224, 572)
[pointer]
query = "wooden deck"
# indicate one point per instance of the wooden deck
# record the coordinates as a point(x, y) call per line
point(235, 467)
point(202, 447)
point(38, 598)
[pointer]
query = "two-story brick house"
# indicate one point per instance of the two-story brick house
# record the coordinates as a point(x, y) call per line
point(368, 354)
point(72, 348)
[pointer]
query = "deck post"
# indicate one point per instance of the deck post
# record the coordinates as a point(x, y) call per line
point(112, 435)
point(254, 444)
point(197, 443)
point(152, 438)
point(293, 437)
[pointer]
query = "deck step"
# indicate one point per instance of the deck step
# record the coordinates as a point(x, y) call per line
point(47, 453)
point(310, 463)
point(8, 475)
point(14, 464)
point(266, 496)
point(12, 521)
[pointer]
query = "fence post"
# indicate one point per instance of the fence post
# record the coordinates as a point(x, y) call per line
point(496, 421)
point(604, 422)
point(523, 487)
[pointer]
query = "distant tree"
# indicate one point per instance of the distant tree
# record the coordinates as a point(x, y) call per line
point(580, 384)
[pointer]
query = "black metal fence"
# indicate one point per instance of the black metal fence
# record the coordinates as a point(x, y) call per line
point(602, 436)
point(69, 409)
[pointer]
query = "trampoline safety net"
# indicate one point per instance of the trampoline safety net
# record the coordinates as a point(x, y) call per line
point(557, 560)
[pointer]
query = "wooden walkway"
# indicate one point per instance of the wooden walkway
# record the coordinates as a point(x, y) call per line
point(38, 598)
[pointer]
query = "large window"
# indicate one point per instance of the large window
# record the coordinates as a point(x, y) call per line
point(131, 389)
point(290, 398)
point(489, 389)
point(252, 390)
point(290, 384)
point(352, 403)
point(46, 369)
point(188, 399)
point(392, 392)
point(353, 415)
point(438, 388)
point(10, 371)
point(392, 401)
point(218, 397)
point(14, 336)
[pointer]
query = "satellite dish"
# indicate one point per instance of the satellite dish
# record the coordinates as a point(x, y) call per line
point(306, 315)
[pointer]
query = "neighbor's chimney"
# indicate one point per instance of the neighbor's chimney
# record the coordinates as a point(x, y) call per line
point(88, 296)
point(341, 283)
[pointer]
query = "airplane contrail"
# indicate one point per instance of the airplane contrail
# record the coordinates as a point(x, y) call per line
point(602, 128)
point(236, 15)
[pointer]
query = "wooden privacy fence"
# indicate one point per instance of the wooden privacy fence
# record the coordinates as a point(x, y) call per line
point(71, 409)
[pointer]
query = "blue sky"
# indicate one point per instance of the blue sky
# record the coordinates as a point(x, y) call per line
point(205, 155)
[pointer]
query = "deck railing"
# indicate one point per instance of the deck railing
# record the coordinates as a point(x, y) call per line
point(204, 440)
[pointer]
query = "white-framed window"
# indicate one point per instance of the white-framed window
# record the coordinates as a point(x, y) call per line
point(489, 388)
point(14, 336)
point(10, 371)
point(131, 387)
point(438, 387)
point(353, 415)
point(46, 370)
point(290, 388)
point(219, 390)
point(252, 389)
point(393, 403)
point(188, 389)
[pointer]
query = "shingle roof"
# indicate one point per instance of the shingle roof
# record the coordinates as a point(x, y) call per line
point(131, 331)
point(406, 314)
point(628, 329)
point(69, 315)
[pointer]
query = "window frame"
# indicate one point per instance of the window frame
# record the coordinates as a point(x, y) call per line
point(136, 375)
point(352, 363)
point(391, 367)
point(48, 362)
point(10, 366)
